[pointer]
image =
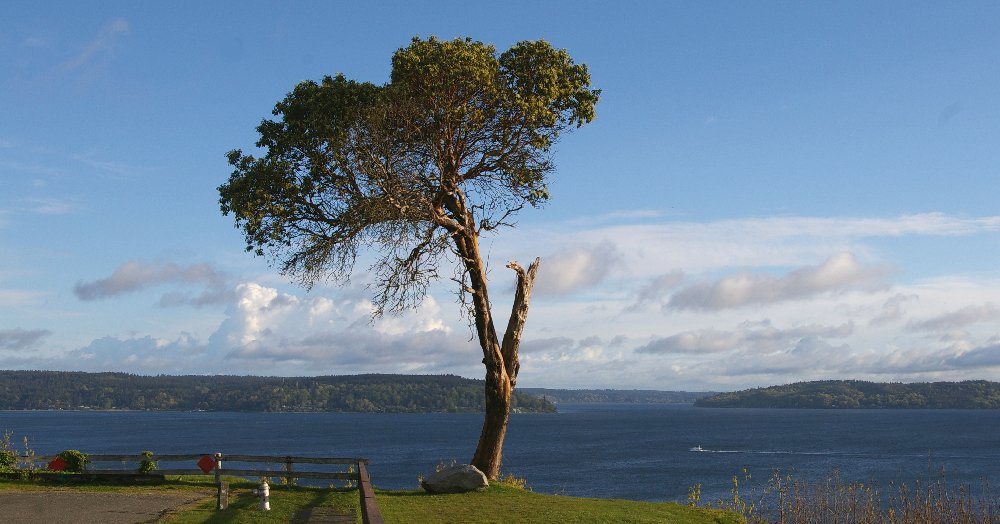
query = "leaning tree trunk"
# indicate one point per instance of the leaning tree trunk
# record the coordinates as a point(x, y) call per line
point(502, 365)
point(500, 359)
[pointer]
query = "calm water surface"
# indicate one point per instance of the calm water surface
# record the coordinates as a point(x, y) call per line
point(610, 451)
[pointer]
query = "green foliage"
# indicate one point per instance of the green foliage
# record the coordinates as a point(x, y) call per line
point(76, 461)
point(457, 141)
point(8, 455)
point(694, 495)
point(511, 481)
point(786, 500)
point(620, 396)
point(148, 465)
point(356, 393)
point(976, 394)
point(11, 460)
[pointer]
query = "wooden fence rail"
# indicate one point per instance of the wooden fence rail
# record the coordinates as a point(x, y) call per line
point(216, 463)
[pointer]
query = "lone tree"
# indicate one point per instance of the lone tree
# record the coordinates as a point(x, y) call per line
point(415, 170)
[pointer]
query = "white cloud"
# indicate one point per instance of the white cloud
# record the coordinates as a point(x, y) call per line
point(755, 337)
point(957, 319)
point(20, 297)
point(575, 268)
point(183, 354)
point(838, 273)
point(271, 332)
point(317, 333)
point(987, 356)
point(704, 247)
point(134, 276)
point(892, 309)
point(657, 290)
point(836, 318)
point(700, 341)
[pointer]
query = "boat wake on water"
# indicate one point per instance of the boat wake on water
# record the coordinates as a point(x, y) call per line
point(700, 449)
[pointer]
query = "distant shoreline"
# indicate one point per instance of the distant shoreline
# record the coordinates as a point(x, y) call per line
point(856, 394)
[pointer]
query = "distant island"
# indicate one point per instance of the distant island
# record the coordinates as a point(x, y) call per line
point(615, 396)
point(28, 390)
point(855, 394)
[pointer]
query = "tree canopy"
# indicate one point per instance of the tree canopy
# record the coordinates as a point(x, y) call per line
point(460, 139)
point(415, 170)
point(353, 393)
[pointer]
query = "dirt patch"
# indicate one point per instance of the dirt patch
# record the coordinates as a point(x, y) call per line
point(68, 507)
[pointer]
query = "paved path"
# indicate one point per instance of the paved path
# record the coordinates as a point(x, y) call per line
point(324, 515)
point(87, 507)
point(71, 507)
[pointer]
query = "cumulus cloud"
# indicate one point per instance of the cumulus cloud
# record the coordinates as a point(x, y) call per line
point(134, 276)
point(957, 319)
point(839, 273)
point(19, 339)
point(544, 359)
point(575, 268)
point(986, 356)
point(269, 331)
point(756, 337)
point(143, 354)
point(265, 325)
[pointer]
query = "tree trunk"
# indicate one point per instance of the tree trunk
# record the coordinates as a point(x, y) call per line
point(490, 448)
point(501, 360)
point(502, 364)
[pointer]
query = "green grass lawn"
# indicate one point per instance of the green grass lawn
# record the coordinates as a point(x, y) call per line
point(503, 504)
point(498, 504)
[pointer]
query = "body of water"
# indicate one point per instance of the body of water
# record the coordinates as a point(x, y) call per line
point(639, 452)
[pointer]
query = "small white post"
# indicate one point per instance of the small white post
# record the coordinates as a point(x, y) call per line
point(263, 491)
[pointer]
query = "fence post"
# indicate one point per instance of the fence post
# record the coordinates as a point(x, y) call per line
point(218, 467)
point(370, 513)
point(222, 499)
point(289, 479)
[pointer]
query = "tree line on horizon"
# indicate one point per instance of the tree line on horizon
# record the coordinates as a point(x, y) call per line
point(616, 396)
point(857, 394)
point(28, 390)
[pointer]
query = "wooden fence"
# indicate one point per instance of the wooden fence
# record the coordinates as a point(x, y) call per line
point(127, 467)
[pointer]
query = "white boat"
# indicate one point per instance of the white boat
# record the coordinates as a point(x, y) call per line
point(697, 448)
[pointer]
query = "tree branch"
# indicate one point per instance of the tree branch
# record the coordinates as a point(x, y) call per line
point(518, 315)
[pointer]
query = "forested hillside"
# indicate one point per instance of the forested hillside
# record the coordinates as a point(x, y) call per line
point(978, 394)
point(359, 393)
point(619, 396)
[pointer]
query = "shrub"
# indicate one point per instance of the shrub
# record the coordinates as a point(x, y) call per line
point(75, 460)
point(8, 457)
point(514, 482)
point(148, 465)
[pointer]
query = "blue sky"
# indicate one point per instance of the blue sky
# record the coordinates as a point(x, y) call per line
point(771, 192)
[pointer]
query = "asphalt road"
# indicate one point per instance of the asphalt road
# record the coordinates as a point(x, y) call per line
point(76, 507)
